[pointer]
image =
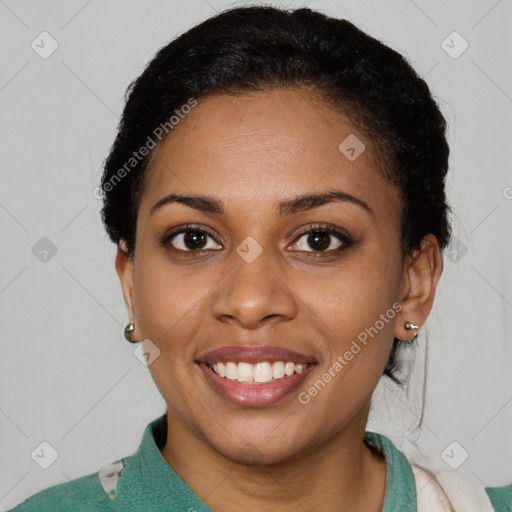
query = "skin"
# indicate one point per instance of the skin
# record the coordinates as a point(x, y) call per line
point(252, 151)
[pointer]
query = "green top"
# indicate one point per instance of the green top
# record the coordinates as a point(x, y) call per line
point(144, 481)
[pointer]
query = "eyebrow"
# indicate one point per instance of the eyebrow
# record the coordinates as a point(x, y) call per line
point(296, 204)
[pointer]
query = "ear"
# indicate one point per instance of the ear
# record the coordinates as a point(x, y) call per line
point(417, 290)
point(124, 268)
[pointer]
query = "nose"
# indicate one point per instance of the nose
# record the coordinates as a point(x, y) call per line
point(254, 294)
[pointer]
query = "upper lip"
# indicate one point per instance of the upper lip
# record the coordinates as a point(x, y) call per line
point(253, 354)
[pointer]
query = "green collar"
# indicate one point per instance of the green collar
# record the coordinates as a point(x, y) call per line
point(147, 472)
point(400, 493)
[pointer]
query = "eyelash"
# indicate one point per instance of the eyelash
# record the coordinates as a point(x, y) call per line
point(328, 229)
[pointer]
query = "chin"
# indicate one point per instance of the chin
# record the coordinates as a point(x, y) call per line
point(259, 452)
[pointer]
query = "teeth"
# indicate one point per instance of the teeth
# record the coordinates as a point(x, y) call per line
point(247, 373)
point(232, 371)
point(221, 369)
point(262, 372)
point(278, 370)
point(289, 368)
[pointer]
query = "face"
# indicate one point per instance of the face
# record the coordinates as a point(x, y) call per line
point(251, 278)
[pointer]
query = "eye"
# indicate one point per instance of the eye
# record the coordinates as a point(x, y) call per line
point(322, 238)
point(191, 238)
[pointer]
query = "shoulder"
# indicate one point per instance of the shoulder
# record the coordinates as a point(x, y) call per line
point(442, 488)
point(501, 497)
point(85, 494)
point(127, 484)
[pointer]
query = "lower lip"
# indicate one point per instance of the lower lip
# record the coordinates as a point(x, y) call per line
point(255, 395)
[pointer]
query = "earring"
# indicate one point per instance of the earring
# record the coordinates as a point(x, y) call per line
point(410, 326)
point(128, 332)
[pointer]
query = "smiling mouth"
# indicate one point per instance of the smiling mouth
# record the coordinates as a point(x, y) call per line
point(255, 376)
point(258, 373)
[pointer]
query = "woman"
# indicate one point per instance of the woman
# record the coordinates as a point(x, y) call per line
point(276, 193)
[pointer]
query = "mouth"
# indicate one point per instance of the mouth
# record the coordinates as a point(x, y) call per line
point(255, 376)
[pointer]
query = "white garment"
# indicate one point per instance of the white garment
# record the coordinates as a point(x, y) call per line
point(461, 494)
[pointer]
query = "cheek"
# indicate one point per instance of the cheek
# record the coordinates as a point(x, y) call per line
point(353, 311)
point(169, 300)
point(355, 304)
point(170, 309)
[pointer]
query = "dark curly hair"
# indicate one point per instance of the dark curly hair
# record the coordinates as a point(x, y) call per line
point(263, 48)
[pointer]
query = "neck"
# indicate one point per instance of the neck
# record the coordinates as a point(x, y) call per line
point(342, 474)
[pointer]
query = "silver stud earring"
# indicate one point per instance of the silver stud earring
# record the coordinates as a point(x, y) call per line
point(128, 331)
point(411, 327)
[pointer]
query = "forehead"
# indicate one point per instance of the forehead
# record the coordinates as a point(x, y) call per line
point(261, 147)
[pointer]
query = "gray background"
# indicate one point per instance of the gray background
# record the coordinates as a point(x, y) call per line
point(67, 375)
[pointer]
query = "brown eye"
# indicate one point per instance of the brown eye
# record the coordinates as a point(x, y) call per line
point(322, 239)
point(190, 239)
point(319, 241)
